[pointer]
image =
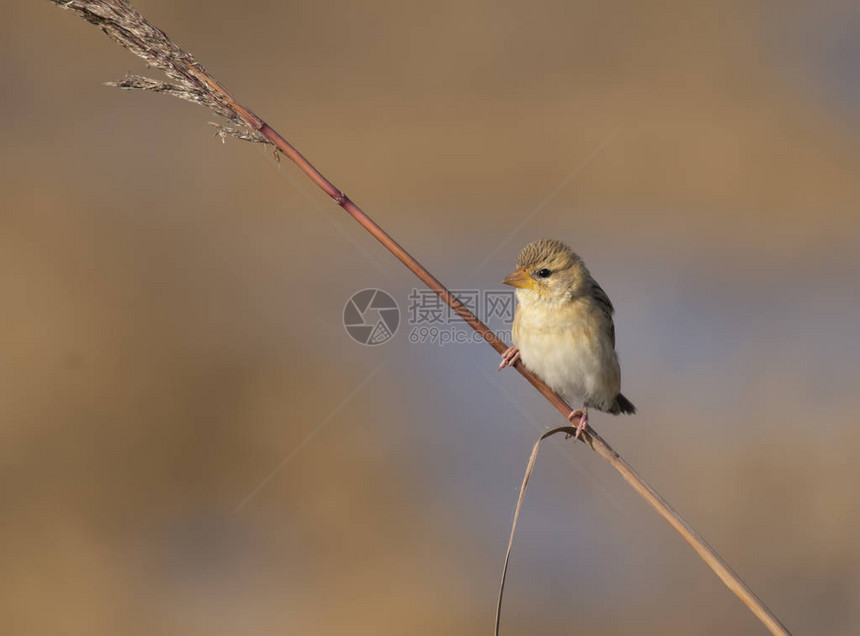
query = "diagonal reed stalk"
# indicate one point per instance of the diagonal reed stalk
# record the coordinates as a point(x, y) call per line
point(187, 79)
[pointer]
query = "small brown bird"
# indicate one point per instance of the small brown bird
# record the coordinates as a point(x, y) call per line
point(563, 329)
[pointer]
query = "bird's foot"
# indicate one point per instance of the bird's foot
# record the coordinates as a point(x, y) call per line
point(509, 357)
point(581, 425)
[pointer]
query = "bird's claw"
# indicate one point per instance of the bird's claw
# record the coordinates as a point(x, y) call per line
point(509, 357)
point(581, 425)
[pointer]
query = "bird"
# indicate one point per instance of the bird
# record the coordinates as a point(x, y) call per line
point(563, 330)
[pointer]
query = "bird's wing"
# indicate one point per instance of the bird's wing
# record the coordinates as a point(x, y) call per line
point(605, 306)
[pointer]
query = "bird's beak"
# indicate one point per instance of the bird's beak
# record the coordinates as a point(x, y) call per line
point(520, 278)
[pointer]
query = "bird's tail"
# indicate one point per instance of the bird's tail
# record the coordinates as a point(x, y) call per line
point(622, 405)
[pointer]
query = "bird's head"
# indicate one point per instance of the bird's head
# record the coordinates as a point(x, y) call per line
point(549, 271)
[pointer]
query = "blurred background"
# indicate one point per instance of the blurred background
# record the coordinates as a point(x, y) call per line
point(190, 442)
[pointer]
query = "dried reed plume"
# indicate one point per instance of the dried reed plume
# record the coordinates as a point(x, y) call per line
point(188, 80)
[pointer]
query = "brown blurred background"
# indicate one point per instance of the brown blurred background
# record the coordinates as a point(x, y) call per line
point(171, 320)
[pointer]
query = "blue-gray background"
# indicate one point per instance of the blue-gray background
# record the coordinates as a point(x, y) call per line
point(170, 327)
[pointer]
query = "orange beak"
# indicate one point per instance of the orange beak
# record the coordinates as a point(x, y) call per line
point(520, 278)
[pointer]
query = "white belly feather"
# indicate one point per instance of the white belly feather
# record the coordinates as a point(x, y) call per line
point(569, 350)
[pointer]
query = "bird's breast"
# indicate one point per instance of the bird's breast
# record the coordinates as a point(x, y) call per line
point(569, 350)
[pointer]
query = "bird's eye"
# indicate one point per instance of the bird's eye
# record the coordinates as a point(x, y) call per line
point(543, 273)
